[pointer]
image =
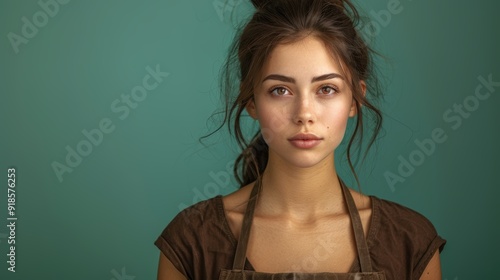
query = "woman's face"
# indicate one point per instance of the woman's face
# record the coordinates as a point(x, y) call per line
point(301, 90)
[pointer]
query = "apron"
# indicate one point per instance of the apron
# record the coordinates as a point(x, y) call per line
point(238, 271)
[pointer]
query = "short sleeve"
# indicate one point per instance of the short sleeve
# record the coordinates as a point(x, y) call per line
point(178, 241)
point(198, 241)
point(404, 241)
point(428, 242)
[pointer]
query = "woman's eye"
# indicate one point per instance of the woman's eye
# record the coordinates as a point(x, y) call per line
point(327, 90)
point(279, 91)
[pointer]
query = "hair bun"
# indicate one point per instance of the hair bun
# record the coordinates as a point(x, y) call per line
point(259, 3)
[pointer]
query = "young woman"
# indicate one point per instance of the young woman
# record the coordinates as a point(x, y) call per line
point(303, 71)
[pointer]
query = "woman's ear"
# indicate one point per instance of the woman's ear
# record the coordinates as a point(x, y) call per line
point(354, 110)
point(251, 109)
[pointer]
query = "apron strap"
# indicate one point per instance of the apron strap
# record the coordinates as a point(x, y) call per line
point(241, 248)
point(357, 226)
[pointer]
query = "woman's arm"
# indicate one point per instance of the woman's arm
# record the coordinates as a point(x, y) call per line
point(167, 271)
point(433, 269)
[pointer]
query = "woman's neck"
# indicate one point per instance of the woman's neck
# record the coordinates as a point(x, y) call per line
point(300, 193)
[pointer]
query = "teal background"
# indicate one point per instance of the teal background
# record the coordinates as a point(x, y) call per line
point(100, 222)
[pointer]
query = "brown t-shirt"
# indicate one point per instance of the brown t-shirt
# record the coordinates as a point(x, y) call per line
point(199, 241)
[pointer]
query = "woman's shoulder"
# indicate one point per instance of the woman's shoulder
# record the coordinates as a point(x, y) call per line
point(403, 234)
point(194, 236)
point(400, 217)
point(197, 216)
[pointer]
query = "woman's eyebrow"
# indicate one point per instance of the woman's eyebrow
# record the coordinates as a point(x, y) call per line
point(279, 78)
point(327, 77)
point(292, 80)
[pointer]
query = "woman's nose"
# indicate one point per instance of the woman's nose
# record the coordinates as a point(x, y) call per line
point(304, 112)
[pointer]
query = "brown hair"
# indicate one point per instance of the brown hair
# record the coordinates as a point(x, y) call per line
point(285, 21)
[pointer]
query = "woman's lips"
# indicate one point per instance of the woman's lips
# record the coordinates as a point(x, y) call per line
point(305, 140)
point(304, 144)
